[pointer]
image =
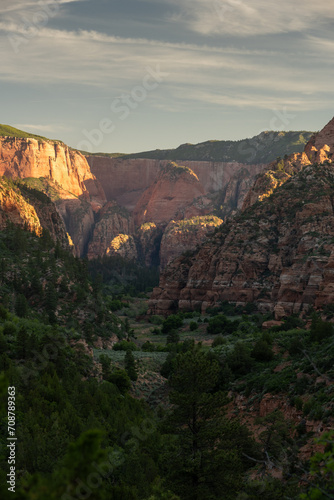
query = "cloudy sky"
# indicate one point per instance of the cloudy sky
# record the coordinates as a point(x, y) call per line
point(132, 75)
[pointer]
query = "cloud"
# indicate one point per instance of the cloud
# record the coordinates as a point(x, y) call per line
point(214, 75)
point(243, 18)
point(22, 6)
point(41, 128)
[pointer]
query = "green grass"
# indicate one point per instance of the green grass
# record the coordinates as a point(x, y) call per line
point(6, 130)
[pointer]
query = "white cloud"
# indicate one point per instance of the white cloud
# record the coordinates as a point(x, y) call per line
point(214, 75)
point(22, 6)
point(251, 17)
point(41, 128)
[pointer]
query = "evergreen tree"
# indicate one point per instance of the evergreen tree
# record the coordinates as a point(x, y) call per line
point(130, 365)
point(204, 460)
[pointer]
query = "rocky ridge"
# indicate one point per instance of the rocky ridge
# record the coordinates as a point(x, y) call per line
point(31, 210)
point(278, 253)
point(79, 194)
point(318, 149)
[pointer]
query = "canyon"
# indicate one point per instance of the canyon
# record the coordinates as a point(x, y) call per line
point(219, 231)
point(106, 202)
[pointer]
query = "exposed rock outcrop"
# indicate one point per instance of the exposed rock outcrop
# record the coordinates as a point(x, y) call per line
point(79, 194)
point(319, 149)
point(149, 237)
point(31, 210)
point(112, 222)
point(278, 253)
point(20, 158)
point(185, 235)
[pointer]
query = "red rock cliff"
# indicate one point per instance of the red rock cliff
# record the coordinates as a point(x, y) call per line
point(278, 253)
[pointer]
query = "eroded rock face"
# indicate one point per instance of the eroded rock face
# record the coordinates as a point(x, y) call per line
point(20, 158)
point(278, 253)
point(123, 245)
point(126, 180)
point(319, 149)
point(185, 235)
point(175, 187)
point(149, 237)
point(29, 212)
point(79, 193)
point(113, 221)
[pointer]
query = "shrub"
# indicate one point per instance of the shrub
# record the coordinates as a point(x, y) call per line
point(121, 379)
point(148, 347)
point(173, 322)
point(262, 351)
point(193, 326)
point(173, 337)
point(220, 324)
point(239, 360)
point(124, 345)
point(218, 341)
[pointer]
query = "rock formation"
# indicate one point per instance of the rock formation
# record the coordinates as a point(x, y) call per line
point(79, 194)
point(278, 253)
point(185, 235)
point(31, 210)
point(318, 149)
point(156, 192)
point(112, 222)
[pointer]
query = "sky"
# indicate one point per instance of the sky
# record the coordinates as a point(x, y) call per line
point(131, 75)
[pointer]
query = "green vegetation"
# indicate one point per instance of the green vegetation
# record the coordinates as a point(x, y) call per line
point(6, 130)
point(263, 148)
point(121, 277)
point(146, 415)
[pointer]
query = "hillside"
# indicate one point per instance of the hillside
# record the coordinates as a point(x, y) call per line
point(262, 148)
point(8, 131)
point(278, 254)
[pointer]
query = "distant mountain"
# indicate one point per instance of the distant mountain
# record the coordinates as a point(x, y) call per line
point(262, 148)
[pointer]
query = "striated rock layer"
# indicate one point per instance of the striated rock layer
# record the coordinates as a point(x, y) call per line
point(113, 221)
point(185, 235)
point(319, 149)
point(126, 180)
point(20, 158)
point(29, 210)
point(279, 254)
point(79, 194)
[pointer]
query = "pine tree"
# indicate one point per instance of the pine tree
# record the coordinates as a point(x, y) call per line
point(204, 460)
point(130, 365)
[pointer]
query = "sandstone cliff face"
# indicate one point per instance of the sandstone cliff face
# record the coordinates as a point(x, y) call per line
point(175, 187)
point(158, 191)
point(279, 254)
point(15, 209)
point(20, 158)
point(149, 239)
point(22, 207)
point(123, 245)
point(185, 235)
point(113, 221)
point(79, 193)
point(319, 149)
point(126, 180)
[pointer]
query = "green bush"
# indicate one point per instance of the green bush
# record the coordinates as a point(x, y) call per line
point(173, 322)
point(121, 379)
point(220, 340)
point(262, 351)
point(193, 326)
point(124, 345)
point(148, 347)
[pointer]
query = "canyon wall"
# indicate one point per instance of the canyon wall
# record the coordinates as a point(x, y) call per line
point(78, 193)
point(279, 252)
